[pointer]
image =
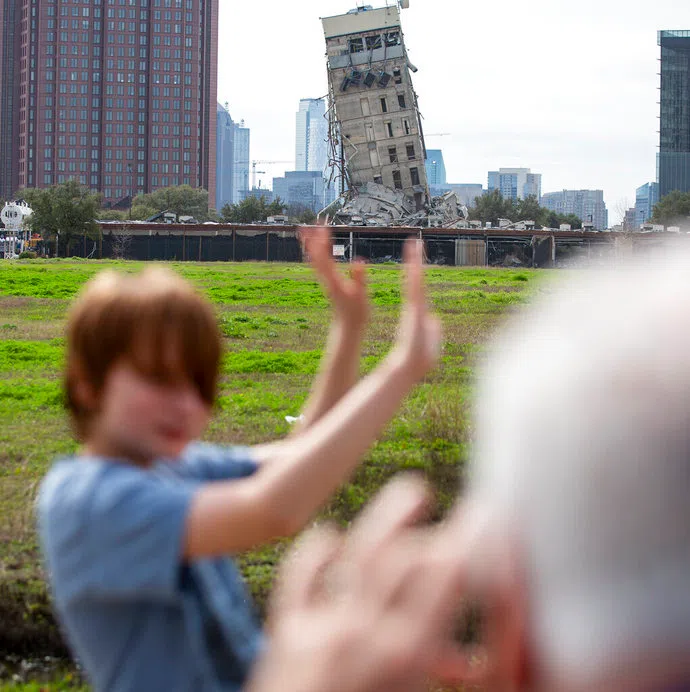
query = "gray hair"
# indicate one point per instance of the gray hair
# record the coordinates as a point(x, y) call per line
point(583, 451)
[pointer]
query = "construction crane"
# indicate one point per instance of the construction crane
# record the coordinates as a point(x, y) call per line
point(439, 134)
point(254, 171)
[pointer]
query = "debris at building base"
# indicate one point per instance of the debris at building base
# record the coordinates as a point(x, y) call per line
point(377, 205)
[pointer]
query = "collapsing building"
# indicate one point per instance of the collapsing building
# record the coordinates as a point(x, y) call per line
point(376, 138)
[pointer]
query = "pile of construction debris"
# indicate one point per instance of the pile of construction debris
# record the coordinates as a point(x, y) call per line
point(377, 205)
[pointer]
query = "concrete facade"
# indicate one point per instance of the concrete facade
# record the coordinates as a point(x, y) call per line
point(374, 105)
point(587, 205)
point(515, 183)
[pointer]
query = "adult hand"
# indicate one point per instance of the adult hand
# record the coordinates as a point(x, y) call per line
point(347, 295)
point(369, 612)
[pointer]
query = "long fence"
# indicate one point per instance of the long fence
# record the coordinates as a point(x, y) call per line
point(450, 247)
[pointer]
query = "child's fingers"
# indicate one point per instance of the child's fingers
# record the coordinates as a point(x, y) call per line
point(358, 273)
point(414, 283)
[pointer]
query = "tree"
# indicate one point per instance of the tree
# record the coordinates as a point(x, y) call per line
point(673, 209)
point(64, 212)
point(182, 200)
point(250, 210)
point(112, 215)
point(529, 209)
point(307, 218)
point(492, 206)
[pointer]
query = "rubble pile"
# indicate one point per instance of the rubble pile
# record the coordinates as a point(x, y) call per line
point(377, 205)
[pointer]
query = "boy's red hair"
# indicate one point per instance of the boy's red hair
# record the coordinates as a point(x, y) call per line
point(154, 320)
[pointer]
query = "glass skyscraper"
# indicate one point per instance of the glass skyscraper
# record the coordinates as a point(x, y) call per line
point(673, 162)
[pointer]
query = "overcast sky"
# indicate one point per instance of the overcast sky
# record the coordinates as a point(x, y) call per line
point(566, 88)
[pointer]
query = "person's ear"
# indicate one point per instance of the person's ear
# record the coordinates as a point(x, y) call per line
point(83, 390)
point(503, 660)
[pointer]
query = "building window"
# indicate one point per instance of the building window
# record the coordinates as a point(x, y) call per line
point(397, 182)
point(406, 125)
point(410, 152)
point(389, 127)
point(384, 105)
point(401, 100)
point(393, 154)
point(378, 180)
point(373, 42)
point(414, 176)
point(356, 45)
point(397, 76)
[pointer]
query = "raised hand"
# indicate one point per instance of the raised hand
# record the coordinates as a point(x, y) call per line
point(347, 295)
point(419, 337)
point(366, 612)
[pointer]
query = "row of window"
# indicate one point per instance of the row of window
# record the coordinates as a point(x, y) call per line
point(397, 178)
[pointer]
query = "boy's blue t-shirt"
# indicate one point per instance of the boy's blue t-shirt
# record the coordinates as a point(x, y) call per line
point(135, 615)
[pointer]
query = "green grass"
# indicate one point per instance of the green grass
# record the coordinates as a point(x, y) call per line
point(275, 321)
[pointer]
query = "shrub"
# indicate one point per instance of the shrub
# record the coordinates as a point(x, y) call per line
point(27, 254)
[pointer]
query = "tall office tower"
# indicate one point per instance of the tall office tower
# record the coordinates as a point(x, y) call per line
point(435, 168)
point(515, 183)
point(311, 136)
point(120, 97)
point(240, 173)
point(646, 197)
point(225, 156)
point(375, 111)
point(9, 48)
point(587, 205)
point(673, 160)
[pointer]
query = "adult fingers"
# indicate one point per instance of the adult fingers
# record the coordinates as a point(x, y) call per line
point(401, 503)
point(301, 575)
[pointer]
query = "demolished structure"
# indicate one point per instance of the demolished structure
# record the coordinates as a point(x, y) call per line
point(375, 130)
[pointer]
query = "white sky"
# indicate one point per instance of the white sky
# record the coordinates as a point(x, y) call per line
point(566, 88)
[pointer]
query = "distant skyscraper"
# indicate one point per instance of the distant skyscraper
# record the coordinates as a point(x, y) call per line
point(435, 168)
point(467, 193)
point(9, 123)
point(225, 157)
point(673, 163)
point(122, 99)
point(646, 198)
point(515, 183)
point(311, 136)
point(587, 205)
point(304, 188)
point(240, 174)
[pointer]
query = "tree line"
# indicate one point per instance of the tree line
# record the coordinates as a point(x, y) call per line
point(69, 211)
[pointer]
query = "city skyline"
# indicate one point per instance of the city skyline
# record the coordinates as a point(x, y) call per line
point(569, 122)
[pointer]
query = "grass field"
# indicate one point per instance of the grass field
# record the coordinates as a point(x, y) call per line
point(275, 320)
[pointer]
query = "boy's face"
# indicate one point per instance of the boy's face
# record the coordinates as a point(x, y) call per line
point(143, 420)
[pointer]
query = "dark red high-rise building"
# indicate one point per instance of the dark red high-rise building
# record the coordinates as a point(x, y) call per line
point(119, 94)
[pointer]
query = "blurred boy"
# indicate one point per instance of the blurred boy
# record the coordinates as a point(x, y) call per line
point(136, 528)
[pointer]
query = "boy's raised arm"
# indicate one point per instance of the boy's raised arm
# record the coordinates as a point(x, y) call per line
point(339, 368)
point(282, 497)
